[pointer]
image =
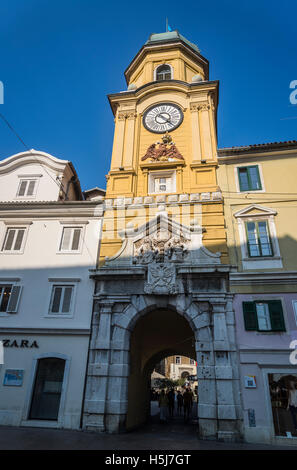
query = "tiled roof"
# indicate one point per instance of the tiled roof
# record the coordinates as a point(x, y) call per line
point(251, 148)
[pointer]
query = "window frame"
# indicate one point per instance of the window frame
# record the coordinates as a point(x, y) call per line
point(238, 183)
point(73, 228)
point(13, 285)
point(61, 283)
point(75, 225)
point(262, 214)
point(154, 175)
point(259, 245)
point(28, 178)
point(156, 72)
point(270, 303)
point(16, 227)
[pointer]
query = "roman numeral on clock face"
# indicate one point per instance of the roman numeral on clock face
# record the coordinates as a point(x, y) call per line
point(163, 117)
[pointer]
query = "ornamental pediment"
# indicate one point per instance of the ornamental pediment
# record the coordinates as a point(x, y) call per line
point(254, 210)
point(162, 240)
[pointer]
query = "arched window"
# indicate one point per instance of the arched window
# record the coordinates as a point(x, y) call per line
point(163, 72)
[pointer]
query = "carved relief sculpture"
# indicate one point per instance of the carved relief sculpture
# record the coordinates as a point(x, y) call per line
point(163, 151)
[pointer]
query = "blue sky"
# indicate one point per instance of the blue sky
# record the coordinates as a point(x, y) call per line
point(59, 60)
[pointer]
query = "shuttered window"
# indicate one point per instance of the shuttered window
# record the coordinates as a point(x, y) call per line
point(14, 239)
point(9, 298)
point(27, 188)
point(71, 238)
point(61, 299)
point(263, 316)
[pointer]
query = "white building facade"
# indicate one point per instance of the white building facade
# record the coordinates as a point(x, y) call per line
point(49, 239)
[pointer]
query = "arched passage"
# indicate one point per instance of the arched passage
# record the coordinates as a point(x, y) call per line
point(156, 335)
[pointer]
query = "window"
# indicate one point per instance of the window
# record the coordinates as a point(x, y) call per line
point(163, 72)
point(258, 239)
point(177, 360)
point(27, 188)
point(14, 239)
point(162, 185)
point(249, 178)
point(162, 182)
point(192, 362)
point(71, 238)
point(61, 300)
point(9, 298)
point(263, 316)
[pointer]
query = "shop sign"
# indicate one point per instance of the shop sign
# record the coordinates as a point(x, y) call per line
point(20, 343)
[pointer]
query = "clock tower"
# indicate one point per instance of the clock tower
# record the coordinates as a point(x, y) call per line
point(165, 139)
point(161, 283)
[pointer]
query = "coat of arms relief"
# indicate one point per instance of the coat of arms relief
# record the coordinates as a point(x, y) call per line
point(160, 246)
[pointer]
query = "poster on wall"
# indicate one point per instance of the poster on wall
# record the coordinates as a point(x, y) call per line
point(283, 395)
point(13, 378)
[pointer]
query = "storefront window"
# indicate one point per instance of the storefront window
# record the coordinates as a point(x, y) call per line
point(283, 395)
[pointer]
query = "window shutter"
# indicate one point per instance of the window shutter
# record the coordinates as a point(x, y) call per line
point(250, 316)
point(14, 299)
point(276, 315)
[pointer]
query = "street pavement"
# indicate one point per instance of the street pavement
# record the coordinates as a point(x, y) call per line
point(174, 435)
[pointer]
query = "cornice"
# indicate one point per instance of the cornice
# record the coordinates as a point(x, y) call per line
point(48, 210)
point(44, 331)
point(274, 277)
point(163, 86)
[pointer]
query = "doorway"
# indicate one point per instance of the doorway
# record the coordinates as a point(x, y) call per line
point(47, 389)
point(156, 335)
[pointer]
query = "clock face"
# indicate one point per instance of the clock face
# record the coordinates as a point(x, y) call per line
point(162, 117)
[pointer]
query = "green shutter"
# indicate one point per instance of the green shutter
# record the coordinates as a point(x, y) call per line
point(276, 315)
point(250, 316)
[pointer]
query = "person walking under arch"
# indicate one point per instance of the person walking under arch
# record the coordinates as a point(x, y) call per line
point(188, 401)
point(163, 404)
point(180, 402)
point(171, 397)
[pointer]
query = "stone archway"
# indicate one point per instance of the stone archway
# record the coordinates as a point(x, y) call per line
point(156, 335)
point(212, 323)
point(163, 266)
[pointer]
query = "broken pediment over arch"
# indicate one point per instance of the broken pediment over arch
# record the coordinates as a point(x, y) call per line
point(163, 240)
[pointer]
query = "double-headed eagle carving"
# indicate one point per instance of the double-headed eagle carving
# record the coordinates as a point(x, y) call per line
point(163, 151)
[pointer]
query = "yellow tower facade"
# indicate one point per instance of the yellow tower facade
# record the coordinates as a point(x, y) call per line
point(165, 144)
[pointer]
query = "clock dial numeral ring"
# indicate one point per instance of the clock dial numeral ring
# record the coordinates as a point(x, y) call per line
point(162, 117)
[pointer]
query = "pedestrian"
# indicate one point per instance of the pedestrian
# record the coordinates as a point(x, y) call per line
point(163, 404)
point(171, 397)
point(180, 402)
point(292, 403)
point(188, 401)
